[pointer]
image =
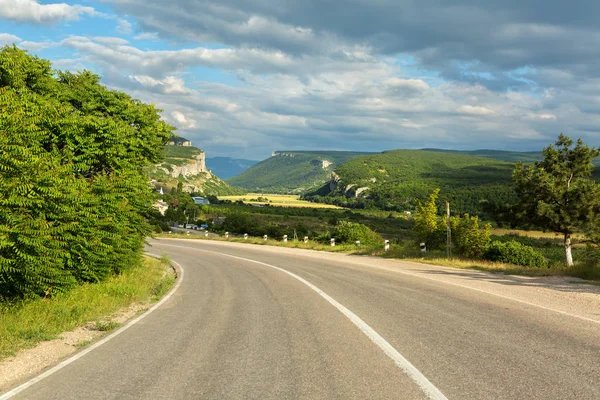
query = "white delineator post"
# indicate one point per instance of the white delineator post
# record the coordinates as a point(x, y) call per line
point(226, 235)
point(205, 233)
point(386, 245)
point(357, 242)
point(423, 247)
point(265, 237)
point(245, 236)
point(332, 242)
point(305, 239)
point(285, 238)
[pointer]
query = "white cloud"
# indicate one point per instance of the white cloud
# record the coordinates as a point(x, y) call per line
point(8, 39)
point(33, 12)
point(147, 36)
point(168, 85)
point(475, 110)
point(123, 26)
point(181, 121)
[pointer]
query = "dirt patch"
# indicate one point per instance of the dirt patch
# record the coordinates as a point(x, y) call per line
point(29, 362)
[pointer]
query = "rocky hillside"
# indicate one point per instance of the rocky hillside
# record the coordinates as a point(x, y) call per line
point(187, 164)
point(292, 171)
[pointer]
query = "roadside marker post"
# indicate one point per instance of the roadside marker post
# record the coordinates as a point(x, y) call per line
point(285, 238)
point(206, 234)
point(423, 248)
point(332, 242)
point(386, 245)
point(226, 235)
point(357, 243)
point(265, 237)
point(305, 239)
point(245, 236)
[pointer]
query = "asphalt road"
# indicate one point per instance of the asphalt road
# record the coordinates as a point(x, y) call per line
point(237, 329)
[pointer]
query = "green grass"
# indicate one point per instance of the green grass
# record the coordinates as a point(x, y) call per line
point(24, 324)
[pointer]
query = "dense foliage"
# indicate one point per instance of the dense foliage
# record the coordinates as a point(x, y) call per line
point(558, 193)
point(513, 252)
point(395, 180)
point(73, 194)
point(350, 232)
point(291, 172)
point(468, 239)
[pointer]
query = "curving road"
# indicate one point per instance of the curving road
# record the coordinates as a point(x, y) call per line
point(257, 322)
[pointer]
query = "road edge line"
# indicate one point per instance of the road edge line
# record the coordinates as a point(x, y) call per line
point(99, 343)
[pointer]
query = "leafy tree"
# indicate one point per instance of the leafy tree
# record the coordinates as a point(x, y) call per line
point(73, 191)
point(428, 226)
point(557, 193)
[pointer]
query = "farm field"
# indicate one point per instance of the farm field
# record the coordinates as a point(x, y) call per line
point(276, 200)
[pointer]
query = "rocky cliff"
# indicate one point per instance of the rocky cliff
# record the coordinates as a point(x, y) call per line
point(190, 167)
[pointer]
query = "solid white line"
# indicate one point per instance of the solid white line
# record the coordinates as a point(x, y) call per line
point(82, 353)
point(413, 373)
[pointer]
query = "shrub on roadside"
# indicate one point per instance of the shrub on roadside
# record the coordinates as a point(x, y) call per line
point(468, 238)
point(513, 252)
point(349, 232)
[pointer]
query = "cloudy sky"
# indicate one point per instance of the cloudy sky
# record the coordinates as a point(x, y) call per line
point(243, 78)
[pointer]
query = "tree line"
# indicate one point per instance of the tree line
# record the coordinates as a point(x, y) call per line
point(556, 194)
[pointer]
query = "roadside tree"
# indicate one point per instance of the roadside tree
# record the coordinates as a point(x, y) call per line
point(557, 194)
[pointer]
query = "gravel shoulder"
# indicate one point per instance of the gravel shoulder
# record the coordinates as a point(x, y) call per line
point(30, 362)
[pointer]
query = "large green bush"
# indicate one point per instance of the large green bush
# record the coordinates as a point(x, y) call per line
point(513, 252)
point(350, 232)
point(469, 240)
point(73, 191)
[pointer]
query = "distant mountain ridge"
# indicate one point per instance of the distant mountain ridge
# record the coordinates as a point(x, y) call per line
point(227, 167)
point(292, 171)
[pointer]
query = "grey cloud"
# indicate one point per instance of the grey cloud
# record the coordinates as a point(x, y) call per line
point(500, 35)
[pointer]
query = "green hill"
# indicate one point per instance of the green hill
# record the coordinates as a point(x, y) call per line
point(510, 156)
point(292, 171)
point(394, 180)
point(186, 164)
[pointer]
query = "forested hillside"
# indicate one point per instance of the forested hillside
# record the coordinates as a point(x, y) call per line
point(394, 180)
point(510, 156)
point(292, 171)
point(74, 193)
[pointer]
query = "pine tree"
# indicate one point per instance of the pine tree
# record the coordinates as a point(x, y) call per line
point(557, 193)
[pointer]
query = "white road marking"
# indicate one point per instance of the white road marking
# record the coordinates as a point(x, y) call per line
point(410, 370)
point(595, 321)
point(82, 353)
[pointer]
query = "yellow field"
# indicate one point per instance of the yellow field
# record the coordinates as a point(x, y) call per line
point(532, 234)
point(276, 200)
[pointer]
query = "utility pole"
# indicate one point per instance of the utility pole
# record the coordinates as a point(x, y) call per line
point(448, 232)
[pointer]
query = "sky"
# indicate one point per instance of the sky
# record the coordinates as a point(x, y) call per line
point(244, 78)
